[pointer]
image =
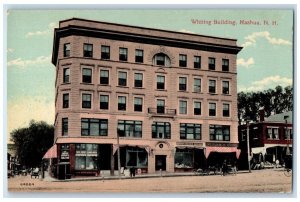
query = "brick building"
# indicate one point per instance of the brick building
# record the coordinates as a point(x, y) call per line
point(171, 97)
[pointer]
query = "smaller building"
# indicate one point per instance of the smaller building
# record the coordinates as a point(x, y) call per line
point(271, 139)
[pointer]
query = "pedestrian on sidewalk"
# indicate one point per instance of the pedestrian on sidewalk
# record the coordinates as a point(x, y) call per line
point(132, 172)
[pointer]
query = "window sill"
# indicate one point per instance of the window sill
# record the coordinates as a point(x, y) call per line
point(212, 93)
point(104, 85)
point(67, 83)
point(122, 86)
point(86, 83)
point(161, 90)
point(197, 92)
point(183, 91)
point(138, 88)
point(226, 94)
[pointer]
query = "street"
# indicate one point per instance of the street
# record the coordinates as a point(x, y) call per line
point(258, 181)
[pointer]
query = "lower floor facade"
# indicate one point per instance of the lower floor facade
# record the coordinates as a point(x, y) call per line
point(91, 156)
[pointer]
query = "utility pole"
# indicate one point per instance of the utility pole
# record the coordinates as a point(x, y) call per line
point(287, 135)
point(119, 166)
point(248, 146)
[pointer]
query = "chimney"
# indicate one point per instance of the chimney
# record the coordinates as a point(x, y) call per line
point(261, 114)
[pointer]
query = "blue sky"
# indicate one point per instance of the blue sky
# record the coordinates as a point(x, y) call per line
point(265, 61)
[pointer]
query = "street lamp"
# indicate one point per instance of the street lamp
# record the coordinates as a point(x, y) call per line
point(118, 143)
point(248, 145)
point(287, 135)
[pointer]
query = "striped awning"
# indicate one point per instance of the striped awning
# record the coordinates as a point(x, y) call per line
point(51, 153)
point(208, 150)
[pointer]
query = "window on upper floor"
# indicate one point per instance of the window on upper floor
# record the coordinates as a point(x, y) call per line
point(160, 82)
point(225, 87)
point(104, 101)
point(197, 85)
point(87, 50)
point(226, 110)
point(127, 128)
point(138, 104)
point(197, 62)
point(272, 133)
point(190, 131)
point(161, 130)
point(87, 75)
point(138, 80)
point(212, 86)
point(197, 108)
point(160, 106)
point(211, 63)
point(105, 52)
point(182, 107)
point(122, 103)
point(104, 77)
point(65, 126)
point(212, 109)
point(182, 60)
point(123, 54)
point(161, 59)
point(225, 65)
point(86, 100)
point(122, 79)
point(94, 127)
point(67, 49)
point(182, 83)
point(66, 100)
point(139, 56)
point(66, 75)
point(219, 132)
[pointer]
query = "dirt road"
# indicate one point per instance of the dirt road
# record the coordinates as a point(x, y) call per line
point(261, 181)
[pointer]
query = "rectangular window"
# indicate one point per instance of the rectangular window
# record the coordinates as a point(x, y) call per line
point(225, 87)
point(139, 55)
point(122, 78)
point(160, 82)
point(219, 132)
point(182, 60)
point(138, 104)
point(161, 130)
point(185, 158)
point(105, 52)
point(122, 103)
point(104, 77)
point(64, 152)
point(197, 62)
point(87, 50)
point(136, 157)
point(226, 110)
point(65, 127)
point(212, 86)
point(66, 100)
point(160, 59)
point(225, 65)
point(272, 133)
point(197, 108)
point(86, 101)
point(182, 107)
point(182, 83)
point(104, 101)
point(123, 54)
point(94, 127)
point(86, 75)
point(86, 157)
point(160, 106)
point(129, 128)
point(212, 109)
point(138, 80)
point(66, 78)
point(197, 85)
point(190, 131)
point(67, 48)
point(211, 63)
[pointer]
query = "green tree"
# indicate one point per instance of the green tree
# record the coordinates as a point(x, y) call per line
point(33, 142)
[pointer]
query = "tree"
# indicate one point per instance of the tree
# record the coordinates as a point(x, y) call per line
point(33, 142)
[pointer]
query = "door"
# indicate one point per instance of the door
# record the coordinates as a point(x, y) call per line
point(160, 162)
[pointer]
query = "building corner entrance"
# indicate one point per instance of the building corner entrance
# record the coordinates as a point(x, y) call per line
point(160, 162)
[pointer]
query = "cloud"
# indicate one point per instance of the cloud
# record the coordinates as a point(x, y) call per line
point(245, 63)
point(186, 31)
point(250, 40)
point(50, 28)
point(266, 83)
point(10, 50)
point(23, 63)
point(21, 111)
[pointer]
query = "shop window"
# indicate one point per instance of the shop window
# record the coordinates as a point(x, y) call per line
point(86, 157)
point(64, 152)
point(183, 158)
point(136, 157)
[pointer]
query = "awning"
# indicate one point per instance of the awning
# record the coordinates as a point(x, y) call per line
point(146, 147)
point(188, 147)
point(222, 150)
point(257, 150)
point(51, 153)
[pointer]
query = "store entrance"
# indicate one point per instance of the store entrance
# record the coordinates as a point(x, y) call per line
point(160, 162)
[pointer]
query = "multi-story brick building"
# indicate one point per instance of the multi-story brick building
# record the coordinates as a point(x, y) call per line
point(171, 97)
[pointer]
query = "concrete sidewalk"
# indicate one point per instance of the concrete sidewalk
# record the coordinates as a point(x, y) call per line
point(146, 175)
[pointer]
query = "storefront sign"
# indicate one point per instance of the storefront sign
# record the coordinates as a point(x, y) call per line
point(218, 144)
point(197, 144)
point(64, 155)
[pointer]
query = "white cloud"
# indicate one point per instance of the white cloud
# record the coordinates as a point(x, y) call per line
point(245, 63)
point(50, 28)
point(23, 63)
point(250, 40)
point(10, 50)
point(186, 31)
point(22, 111)
point(266, 83)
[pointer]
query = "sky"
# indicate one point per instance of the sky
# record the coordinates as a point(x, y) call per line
point(265, 61)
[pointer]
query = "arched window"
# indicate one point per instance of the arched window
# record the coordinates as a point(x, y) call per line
point(161, 59)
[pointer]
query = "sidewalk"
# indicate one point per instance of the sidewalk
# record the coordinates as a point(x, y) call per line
point(116, 177)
